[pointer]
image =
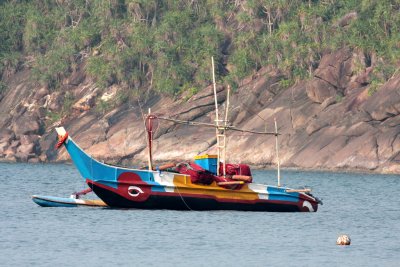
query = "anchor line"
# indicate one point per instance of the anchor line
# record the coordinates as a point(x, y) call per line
point(183, 200)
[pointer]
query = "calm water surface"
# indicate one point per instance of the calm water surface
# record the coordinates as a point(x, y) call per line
point(364, 206)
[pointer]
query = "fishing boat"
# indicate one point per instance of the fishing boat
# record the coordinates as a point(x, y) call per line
point(167, 188)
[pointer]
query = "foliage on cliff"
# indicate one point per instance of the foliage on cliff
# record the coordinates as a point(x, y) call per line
point(167, 45)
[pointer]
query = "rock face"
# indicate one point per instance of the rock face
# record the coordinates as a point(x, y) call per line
point(331, 77)
point(329, 122)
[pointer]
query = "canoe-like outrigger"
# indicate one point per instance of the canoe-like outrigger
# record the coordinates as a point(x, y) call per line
point(50, 201)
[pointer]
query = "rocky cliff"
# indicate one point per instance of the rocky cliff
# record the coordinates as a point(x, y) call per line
point(333, 121)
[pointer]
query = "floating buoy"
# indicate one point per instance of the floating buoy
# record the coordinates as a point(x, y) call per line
point(343, 240)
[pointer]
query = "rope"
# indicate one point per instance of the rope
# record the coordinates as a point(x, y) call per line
point(184, 202)
point(253, 113)
point(144, 121)
point(228, 127)
point(192, 123)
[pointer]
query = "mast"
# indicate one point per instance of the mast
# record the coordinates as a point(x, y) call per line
point(215, 93)
point(150, 137)
point(151, 124)
point(225, 126)
point(277, 154)
point(220, 129)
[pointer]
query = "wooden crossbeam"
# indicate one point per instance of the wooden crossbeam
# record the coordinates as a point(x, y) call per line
point(230, 183)
point(306, 190)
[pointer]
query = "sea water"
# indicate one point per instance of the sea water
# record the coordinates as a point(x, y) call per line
point(364, 206)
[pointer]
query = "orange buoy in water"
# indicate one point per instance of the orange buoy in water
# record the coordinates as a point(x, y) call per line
point(343, 240)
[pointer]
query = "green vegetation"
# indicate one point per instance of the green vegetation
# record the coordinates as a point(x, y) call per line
point(53, 117)
point(3, 87)
point(167, 45)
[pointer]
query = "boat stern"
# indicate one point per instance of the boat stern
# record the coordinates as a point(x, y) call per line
point(308, 203)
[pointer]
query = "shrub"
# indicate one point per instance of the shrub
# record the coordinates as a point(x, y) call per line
point(101, 70)
point(51, 67)
point(3, 87)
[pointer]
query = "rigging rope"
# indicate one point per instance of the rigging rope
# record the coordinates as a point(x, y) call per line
point(253, 113)
point(228, 127)
point(143, 119)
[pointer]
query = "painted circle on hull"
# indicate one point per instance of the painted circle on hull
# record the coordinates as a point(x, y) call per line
point(132, 187)
point(134, 191)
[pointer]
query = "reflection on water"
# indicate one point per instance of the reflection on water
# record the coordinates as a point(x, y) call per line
point(364, 206)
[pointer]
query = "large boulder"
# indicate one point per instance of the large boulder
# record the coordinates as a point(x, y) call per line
point(26, 125)
point(385, 103)
point(319, 90)
point(6, 135)
point(388, 142)
point(54, 101)
point(3, 146)
point(41, 93)
point(29, 139)
point(9, 153)
point(331, 77)
point(87, 101)
point(26, 149)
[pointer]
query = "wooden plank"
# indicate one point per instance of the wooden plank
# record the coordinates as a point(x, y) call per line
point(306, 190)
point(244, 178)
point(229, 183)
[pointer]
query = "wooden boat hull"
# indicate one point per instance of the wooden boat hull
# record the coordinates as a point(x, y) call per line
point(192, 202)
point(171, 191)
point(50, 201)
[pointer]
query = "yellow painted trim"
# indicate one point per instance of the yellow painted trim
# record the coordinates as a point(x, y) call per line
point(185, 186)
point(206, 156)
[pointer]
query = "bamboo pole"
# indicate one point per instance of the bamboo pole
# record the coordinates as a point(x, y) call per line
point(277, 153)
point(215, 92)
point(306, 190)
point(225, 125)
point(150, 136)
point(227, 105)
point(230, 183)
point(216, 116)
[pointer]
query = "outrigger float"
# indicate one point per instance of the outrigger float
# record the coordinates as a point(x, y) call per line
point(50, 201)
point(74, 200)
point(207, 184)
